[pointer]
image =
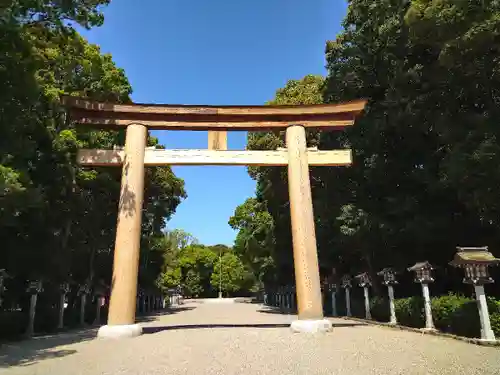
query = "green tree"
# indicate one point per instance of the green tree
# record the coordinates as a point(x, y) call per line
point(228, 272)
point(255, 239)
point(269, 227)
point(58, 220)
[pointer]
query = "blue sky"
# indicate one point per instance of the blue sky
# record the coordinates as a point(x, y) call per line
point(215, 52)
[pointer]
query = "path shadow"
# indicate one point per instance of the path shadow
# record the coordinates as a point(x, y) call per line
point(277, 311)
point(251, 300)
point(31, 351)
point(150, 330)
point(154, 316)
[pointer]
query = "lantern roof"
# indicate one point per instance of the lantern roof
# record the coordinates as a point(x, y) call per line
point(420, 266)
point(361, 275)
point(473, 255)
point(386, 270)
point(363, 279)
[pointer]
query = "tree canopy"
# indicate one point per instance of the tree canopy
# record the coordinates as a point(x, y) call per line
point(58, 220)
point(425, 148)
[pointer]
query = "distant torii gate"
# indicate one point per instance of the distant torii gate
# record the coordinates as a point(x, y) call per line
point(137, 118)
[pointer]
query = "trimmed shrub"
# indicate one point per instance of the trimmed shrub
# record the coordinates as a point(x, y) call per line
point(379, 308)
point(455, 314)
point(358, 307)
point(13, 324)
point(494, 309)
point(452, 313)
point(410, 311)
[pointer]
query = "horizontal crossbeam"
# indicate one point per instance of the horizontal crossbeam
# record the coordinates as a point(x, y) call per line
point(217, 124)
point(355, 106)
point(195, 117)
point(160, 157)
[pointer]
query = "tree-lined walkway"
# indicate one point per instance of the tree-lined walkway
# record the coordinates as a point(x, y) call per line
point(244, 338)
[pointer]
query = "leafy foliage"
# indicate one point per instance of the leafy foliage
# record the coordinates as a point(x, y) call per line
point(229, 273)
point(196, 268)
point(255, 241)
point(452, 313)
point(58, 220)
point(425, 148)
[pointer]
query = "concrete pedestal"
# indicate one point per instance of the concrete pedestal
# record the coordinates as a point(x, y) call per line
point(120, 331)
point(311, 326)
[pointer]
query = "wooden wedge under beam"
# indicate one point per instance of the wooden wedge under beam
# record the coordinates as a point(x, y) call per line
point(209, 157)
point(217, 140)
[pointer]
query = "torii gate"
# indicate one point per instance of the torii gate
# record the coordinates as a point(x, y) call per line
point(137, 118)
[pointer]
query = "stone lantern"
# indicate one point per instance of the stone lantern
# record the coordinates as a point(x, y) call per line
point(3, 276)
point(332, 288)
point(64, 289)
point(83, 291)
point(283, 297)
point(288, 289)
point(34, 288)
point(423, 275)
point(100, 293)
point(151, 306)
point(365, 282)
point(138, 299)
point(475, 262)
point(347, 285)
point(390, 280)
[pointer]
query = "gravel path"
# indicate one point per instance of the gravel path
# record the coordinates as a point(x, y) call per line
point(242, 339)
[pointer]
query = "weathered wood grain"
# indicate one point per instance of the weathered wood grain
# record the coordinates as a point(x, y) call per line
point(217, 140)
point(213, 157)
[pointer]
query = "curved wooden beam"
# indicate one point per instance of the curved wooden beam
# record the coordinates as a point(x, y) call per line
point(179, 117)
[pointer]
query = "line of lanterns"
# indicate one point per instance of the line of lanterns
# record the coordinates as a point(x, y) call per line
point(475, 262)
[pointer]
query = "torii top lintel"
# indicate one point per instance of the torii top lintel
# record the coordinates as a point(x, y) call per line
point(205, 117)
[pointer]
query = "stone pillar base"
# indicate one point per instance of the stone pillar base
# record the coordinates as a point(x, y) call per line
point(120, 331)
point(492, 341)
point(429, 329)
point(311, 326)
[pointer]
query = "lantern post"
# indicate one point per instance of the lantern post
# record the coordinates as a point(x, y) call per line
point(293, 301)
point(475, 262)
point(333, 291)
point(34, 288)
point(347, 285)
point(3, 276)
point(390, 280)
point(82, 292)
point(365, 282)
point(423, 275)
point(64, 289)
point(99, 293)
point(290, 292)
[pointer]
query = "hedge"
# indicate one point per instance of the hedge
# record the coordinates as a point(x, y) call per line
point(452, 313)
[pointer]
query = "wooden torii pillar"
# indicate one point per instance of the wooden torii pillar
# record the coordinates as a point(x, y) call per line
point(137, 118)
